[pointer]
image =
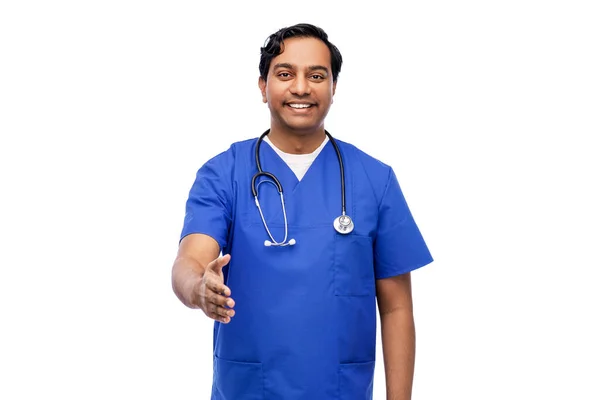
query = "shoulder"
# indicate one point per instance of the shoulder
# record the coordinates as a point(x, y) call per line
point(227, 157)
point(221, 168)
point(365, 158)
point(243, 145)
point(376, 171)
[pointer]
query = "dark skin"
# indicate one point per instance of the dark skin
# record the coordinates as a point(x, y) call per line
point(300, 76)
point(197, 277)
point(299, 91)
point(394, 299)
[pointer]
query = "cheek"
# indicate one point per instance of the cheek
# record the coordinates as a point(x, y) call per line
point(272, 94)
point(326, 97)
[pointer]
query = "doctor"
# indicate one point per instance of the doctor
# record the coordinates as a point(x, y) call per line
point(292, 239)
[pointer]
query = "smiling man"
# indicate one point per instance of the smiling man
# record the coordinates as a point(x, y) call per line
point(298, 87)
point(293, 271)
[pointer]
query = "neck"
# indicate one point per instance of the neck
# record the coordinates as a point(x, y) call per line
point(297, 142)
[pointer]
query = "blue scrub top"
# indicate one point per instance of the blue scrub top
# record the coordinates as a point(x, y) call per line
point(305, 323)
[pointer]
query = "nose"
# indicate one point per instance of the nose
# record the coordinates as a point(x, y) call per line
point(300, 86)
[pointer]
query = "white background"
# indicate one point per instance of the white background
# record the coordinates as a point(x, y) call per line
point(488, 112)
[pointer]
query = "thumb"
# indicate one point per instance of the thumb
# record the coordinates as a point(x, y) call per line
point(217, 264)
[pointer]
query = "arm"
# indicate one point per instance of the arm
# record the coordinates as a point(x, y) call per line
point(197, 277)
point(194, 254)
point(394, 298)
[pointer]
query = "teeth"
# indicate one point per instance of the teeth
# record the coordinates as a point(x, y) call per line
point(299, 105)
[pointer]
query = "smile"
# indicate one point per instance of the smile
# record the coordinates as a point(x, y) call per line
point(299, 106)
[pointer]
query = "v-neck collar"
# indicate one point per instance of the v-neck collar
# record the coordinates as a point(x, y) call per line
point(312, 188)
point(290, 176)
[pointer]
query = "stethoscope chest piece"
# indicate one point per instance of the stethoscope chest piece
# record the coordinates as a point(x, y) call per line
point(343, 224)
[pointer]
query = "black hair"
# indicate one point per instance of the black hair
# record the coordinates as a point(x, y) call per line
point(274, 46)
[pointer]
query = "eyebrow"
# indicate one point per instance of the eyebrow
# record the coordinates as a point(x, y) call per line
point(310, 68)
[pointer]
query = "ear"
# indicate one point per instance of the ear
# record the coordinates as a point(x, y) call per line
point(333, 93)
point(262, 85)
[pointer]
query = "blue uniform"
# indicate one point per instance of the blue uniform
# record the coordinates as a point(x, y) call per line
point(305, 322)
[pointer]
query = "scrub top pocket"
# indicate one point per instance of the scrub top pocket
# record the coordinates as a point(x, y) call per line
point(356, 381)
point(354, 273)
point(235, 380)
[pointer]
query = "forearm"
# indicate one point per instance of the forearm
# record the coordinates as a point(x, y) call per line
point(195, 252)
point(398, 345)
point(186, 274)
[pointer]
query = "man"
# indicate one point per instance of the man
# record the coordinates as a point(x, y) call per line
point(296, 318)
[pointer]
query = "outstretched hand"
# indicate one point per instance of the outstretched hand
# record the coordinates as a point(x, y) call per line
point(213, 297)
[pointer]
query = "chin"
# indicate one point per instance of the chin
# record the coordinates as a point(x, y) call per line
point(298, 125)
point(306, 127)
point(303, 130)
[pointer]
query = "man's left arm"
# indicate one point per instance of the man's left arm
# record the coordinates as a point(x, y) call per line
point(394, 299)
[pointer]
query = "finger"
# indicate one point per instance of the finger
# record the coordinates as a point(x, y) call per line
point(220, 313)
point(217, 264)
point(216, 286)
point(224, 320)
point(222, 301)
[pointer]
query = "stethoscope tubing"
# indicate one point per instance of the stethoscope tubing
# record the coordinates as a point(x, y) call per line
point(276, 181)
point(343, 224)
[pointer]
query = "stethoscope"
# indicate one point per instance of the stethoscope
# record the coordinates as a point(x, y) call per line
point(343, 224)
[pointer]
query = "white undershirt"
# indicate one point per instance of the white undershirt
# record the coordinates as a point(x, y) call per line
point(299, 163)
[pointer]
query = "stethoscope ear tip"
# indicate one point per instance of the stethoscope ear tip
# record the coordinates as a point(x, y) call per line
point(291, 242)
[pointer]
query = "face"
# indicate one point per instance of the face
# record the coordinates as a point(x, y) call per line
point(299, 88)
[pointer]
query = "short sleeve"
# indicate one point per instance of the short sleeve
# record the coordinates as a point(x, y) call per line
point(399, 245)
point(208, 208)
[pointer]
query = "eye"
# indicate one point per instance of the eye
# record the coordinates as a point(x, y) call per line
point(284, 74)
point(317, 77)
